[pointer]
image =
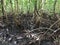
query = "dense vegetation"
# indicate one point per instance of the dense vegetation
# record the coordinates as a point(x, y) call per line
point(18, 6)
point(29, 22)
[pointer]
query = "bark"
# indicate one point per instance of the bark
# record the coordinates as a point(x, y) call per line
point(39, 4)
point(35, 6)
point(2, 3)
point(43, 2)
point(28, 6)
point(11, 5)
point(22, 8)
point(54, 6)
point(17, 5)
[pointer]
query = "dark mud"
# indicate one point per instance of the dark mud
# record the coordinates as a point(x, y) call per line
point(26, 30)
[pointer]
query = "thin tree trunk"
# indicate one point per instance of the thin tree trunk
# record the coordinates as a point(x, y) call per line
point(43, 3)
point(28, 6)
point(22, 8)
point(35, 11)
point(35, 6)
point(11, 5)
point(2, 3)
point(3, 11)
point(39, 4)
point(17, 5)
point(54, 6)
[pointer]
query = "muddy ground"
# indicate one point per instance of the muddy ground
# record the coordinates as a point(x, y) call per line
point(30, 29)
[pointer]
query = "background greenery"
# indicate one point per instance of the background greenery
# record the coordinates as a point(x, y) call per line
point(25, 5)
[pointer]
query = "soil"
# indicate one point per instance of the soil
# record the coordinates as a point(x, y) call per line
point(24, 29)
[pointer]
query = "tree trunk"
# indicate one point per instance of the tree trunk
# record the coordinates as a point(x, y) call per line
point(17, 5)
point(54, 6)
point(2, 3)
point(43, 2)
point(11, 5)
point(22, 8)
point(35, 6)
point(28, 6)
point(39, 4)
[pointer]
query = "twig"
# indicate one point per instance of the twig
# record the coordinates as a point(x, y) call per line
point(54, 23)
point(55, 31)
point(51, 26)
point(40, 28)
point(48, 30)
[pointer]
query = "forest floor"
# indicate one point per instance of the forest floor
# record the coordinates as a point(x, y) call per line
point(30, 29)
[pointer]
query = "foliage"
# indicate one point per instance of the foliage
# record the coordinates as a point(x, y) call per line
point(25, 5)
